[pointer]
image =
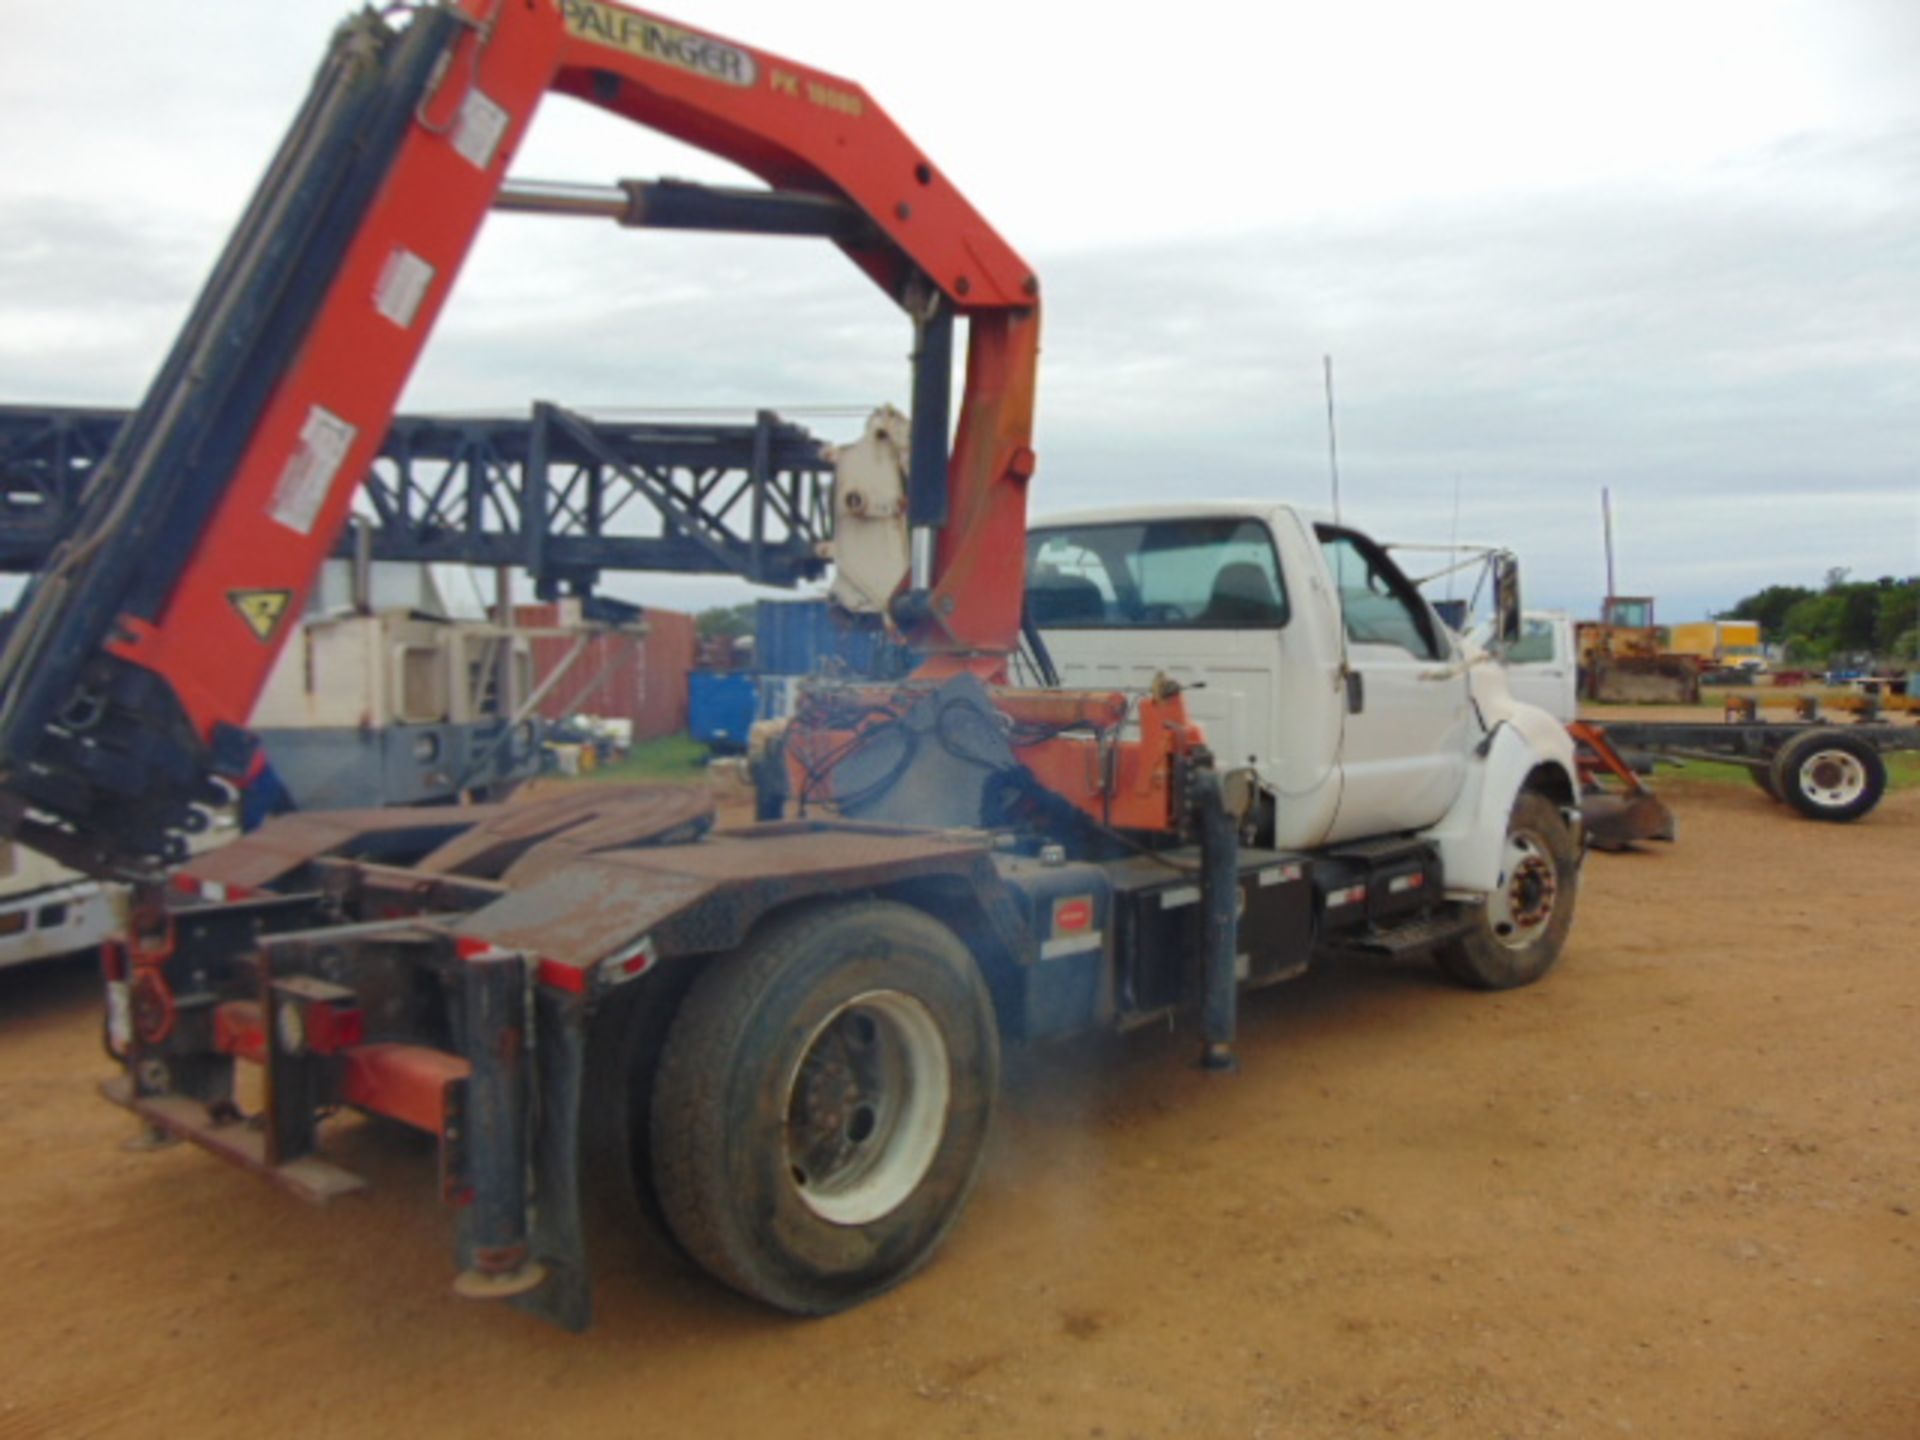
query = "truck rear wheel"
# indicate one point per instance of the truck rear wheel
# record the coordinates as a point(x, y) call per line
point(1521, 930)
point(1829, 775)
point(1762, 775)
point(822, 1105)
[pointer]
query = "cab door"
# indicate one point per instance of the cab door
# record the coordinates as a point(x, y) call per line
point(1408, 719)
point(1540, 667)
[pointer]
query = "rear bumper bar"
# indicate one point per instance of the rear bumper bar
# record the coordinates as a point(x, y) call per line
point(313, 1180)
point(490, 1063)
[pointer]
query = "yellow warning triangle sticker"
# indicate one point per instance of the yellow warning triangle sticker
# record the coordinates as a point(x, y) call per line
point(261, 609)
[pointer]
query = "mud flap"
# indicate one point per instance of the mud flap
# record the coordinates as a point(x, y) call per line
point(558, 1236)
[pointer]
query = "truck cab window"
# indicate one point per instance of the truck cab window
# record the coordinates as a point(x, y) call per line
point(1535, 645)
point(1067, 583)
point(1189, 573)
point(1377, 602)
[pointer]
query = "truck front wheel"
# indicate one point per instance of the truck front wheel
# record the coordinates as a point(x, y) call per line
point(822, 1105)
point(1520, 931)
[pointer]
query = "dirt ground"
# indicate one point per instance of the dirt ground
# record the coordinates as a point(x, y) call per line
point(1673, 1190)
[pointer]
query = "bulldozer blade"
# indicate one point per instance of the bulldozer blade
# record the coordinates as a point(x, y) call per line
point(1616, 822)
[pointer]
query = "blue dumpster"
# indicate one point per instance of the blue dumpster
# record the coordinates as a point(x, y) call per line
point(720, 707)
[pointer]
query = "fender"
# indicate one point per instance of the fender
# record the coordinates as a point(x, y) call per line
point(1469, 835)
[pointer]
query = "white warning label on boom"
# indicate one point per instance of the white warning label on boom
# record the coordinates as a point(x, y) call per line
point(477, 129)
point(304, 484)
point(402, 286)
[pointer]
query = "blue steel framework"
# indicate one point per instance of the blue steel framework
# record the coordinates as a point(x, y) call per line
point(563, 495)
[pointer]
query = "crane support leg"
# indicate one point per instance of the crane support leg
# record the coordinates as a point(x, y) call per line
point(1220, 902)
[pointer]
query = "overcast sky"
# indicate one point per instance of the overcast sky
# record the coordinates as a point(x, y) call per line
point(1672, 248)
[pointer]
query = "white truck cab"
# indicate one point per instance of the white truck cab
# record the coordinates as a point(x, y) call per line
point(1308, 656)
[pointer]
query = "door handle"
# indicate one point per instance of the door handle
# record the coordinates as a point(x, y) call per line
point(1446, 672)
point(1356, 693)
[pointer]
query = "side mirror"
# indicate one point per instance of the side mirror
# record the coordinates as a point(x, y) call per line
point(1506, 602)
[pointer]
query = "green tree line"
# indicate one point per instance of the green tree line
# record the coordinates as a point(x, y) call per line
point(1844, 618)
point(728, 622)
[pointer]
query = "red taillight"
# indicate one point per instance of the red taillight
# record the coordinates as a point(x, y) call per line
point(570, 978)
point(623, 965)
point(333, 1028)
point(216, 891)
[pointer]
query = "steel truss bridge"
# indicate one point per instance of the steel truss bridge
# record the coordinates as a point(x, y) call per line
point(562, 495)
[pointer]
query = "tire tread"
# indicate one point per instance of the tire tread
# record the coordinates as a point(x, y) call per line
point(1478, 961)
point(690, 1155)
point(1791, 756)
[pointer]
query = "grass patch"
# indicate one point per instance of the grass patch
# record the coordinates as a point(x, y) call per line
point(673, 757)
point(1712, 770)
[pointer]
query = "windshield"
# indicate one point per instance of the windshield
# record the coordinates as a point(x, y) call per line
point(1629, 614)
point(1187, 573)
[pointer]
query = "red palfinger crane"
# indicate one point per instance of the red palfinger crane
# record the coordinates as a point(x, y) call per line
point(136, 657)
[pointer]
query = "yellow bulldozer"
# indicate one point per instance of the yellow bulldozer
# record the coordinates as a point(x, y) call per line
point(1622, 659)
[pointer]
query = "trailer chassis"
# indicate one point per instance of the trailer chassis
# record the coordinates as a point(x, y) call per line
point(1825, 771)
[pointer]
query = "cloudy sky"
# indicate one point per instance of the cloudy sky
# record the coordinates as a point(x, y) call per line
point(1672, 248)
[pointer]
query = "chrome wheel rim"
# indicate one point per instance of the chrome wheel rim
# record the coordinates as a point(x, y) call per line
point(866, 1107)
point(1521, 906)
point(1833, 778)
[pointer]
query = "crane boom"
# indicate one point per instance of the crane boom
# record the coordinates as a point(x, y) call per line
point(133, 663)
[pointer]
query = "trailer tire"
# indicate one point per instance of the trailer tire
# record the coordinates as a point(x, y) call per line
point(1830, 775)
point(822, 1105)
point(1523, 927)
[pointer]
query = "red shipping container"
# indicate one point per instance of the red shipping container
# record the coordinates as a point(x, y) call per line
point(638, 678)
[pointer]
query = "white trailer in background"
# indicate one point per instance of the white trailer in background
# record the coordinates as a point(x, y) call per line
point(47, 910)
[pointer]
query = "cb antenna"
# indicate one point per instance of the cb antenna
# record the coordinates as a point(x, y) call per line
point(1333, 443)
